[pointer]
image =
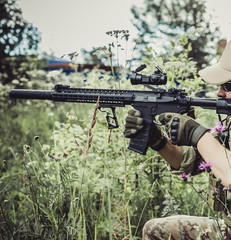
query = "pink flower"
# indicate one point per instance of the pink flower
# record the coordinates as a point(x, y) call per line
point(184, 176)
point(218, 128)
point(204, 165)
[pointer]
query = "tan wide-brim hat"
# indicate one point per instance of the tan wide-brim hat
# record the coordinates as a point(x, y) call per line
point(221, 72)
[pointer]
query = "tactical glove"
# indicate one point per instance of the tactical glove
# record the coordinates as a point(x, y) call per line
point(182, 130)
point(134, 123)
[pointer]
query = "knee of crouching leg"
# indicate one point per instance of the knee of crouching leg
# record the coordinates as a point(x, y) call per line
point(149, 227)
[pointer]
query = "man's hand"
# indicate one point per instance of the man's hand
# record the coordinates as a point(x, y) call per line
point(134, 123)
point(182, 130)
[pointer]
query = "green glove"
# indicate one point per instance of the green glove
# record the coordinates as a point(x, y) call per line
point(134, 123)
point(182, 130)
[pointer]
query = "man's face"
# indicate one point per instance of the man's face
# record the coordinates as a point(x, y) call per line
point(223, 94)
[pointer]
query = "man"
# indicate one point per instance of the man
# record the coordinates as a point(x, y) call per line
point(192, 144)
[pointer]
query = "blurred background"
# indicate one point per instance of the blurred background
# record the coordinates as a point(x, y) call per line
point(56, 28)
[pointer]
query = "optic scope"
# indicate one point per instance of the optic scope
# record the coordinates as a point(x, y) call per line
point(158, 78)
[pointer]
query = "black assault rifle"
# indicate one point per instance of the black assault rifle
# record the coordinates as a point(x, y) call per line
point(149, 103)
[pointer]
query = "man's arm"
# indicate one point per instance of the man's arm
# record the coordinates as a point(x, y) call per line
point(172, 154)
point(219, 157)
point(186, 131)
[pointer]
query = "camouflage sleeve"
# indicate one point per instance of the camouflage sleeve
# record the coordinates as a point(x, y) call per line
point(190, 162)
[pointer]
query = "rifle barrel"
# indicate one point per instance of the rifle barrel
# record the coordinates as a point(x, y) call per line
point(30, 94)
point(203, 102)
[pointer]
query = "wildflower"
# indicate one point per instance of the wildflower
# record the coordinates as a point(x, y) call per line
point(53, 73)
point(15, 81)
point(36, 138)
point(205, 165)
point(26, 147)
point(218, 128)
point(185, 176)
point(54, 158)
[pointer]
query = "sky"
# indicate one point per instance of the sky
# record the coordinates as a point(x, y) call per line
point(67, 26)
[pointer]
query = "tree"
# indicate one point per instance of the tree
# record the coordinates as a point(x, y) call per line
point(17, 36)
point(161, 20)
point(19, 41)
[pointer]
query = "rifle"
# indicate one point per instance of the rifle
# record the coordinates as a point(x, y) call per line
point(149, 103)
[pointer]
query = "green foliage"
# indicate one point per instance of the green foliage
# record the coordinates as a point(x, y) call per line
point(64, 175)
point(161, 21)
point(13, 68)
point(17, 36)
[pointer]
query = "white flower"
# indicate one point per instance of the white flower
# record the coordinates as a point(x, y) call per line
point(53, 73)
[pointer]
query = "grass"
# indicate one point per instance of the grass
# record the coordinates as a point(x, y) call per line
point(61, 177)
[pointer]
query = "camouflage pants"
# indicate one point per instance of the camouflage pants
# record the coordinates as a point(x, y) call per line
point(184, 227)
